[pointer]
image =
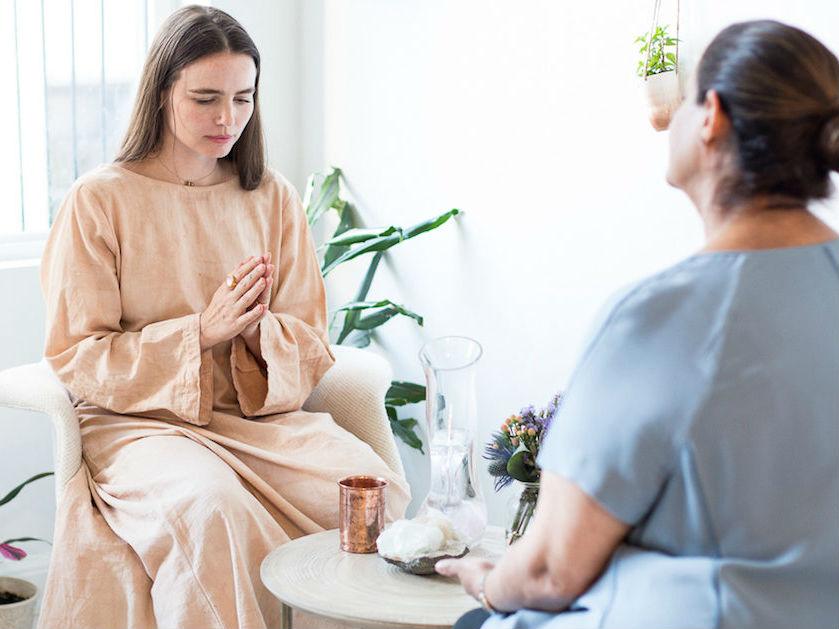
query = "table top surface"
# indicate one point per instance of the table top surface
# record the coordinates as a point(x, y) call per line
point(313, 574)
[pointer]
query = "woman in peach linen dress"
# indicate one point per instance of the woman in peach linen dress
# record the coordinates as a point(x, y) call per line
point(187, 361)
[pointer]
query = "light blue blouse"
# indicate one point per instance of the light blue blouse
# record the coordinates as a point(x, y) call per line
point(704, 412)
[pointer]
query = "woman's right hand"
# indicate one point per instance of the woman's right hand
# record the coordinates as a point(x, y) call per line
point(228, 314)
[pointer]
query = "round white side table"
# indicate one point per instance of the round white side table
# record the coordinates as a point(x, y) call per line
point(313, 574)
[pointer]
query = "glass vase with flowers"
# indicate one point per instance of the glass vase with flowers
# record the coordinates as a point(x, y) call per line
point(512, 452)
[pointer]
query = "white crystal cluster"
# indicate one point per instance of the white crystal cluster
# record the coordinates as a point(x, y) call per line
point(424, 536)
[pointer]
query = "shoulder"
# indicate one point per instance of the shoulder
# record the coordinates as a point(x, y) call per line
point(103, 180)
point(685, 299)
point(282, 195)
point(654, 351)
point(89, 194)
point(665, 333)
point(96, 191)
point(85, 210)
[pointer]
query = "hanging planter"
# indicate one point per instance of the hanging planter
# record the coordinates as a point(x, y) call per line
point(664, 96)
point(659, 67)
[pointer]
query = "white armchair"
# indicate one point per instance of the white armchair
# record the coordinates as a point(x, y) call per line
point(353, 392)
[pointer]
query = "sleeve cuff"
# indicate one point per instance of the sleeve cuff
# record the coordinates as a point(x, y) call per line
point(295, 364)
point(198, 386)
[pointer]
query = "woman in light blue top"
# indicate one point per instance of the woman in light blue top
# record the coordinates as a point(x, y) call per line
point(691, 477)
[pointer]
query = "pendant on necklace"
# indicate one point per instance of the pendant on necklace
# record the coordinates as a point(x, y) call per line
point(188, 183)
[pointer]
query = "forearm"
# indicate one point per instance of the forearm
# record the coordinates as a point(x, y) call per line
point(522, 579)
point(567, 547)
point(105, 369)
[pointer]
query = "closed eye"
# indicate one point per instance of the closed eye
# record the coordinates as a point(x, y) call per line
point(206, 101)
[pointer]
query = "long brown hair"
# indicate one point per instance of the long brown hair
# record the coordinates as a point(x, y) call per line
point(780, 88)
point(187, 35)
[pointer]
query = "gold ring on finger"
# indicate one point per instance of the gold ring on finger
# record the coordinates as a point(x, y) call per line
point(231, 281)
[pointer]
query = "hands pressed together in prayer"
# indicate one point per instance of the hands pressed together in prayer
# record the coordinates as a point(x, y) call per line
point(237, 309)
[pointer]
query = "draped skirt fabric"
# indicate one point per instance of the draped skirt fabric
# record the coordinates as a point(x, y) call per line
point(166, 524)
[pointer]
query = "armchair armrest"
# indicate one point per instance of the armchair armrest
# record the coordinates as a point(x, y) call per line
point(34, 387)
point(353, 392)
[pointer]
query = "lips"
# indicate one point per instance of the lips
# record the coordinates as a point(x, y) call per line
point(219, 139)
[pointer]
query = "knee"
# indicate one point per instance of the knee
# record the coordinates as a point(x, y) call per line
point(200, 499)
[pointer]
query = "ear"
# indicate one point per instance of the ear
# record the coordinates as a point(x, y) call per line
point(715, 123)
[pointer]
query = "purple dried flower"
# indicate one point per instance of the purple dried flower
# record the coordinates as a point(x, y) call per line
point(530, 426)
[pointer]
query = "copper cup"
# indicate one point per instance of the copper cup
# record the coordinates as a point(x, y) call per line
point(361, 512)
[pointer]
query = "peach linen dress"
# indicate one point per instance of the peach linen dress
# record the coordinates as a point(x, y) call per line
point(195, 464)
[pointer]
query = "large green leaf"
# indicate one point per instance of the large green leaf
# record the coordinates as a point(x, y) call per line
point(404, 429)
point(347, 213)
point(8, 497)
point(25, 539)
point(376, 319)
point(361, 295)
point(318, 202)
point(375, 244)
point(402, 393)
point(385, 310)
point(352, 316)
point(357, 235)
point(520, 466)
point(428, 225)
point(383, 315)
point(363, 305)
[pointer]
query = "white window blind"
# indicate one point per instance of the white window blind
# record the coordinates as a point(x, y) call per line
point(69, 70)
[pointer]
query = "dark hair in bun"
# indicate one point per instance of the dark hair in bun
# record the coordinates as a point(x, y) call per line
point(780, 88)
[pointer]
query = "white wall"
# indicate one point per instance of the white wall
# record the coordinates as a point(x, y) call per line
point(528, 117)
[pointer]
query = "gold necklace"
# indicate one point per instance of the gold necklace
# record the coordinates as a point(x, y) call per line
point(187, 182)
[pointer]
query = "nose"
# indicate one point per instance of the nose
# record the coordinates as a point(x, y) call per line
point(224, 117)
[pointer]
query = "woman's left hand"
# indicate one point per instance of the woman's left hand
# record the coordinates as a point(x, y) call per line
point(265, 295)
point(469, 570)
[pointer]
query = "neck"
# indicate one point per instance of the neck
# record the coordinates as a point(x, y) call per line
point(762, 222)
point(182, 164)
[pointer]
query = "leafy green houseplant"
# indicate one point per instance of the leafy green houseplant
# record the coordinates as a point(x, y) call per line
point(658, 65)
point(355, 322)
point(658, 53)
point(7, 551)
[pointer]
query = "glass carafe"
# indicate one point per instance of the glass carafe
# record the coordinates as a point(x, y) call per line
point(451, 410)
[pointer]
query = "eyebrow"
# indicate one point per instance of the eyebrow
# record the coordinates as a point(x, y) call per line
point(206, 90)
